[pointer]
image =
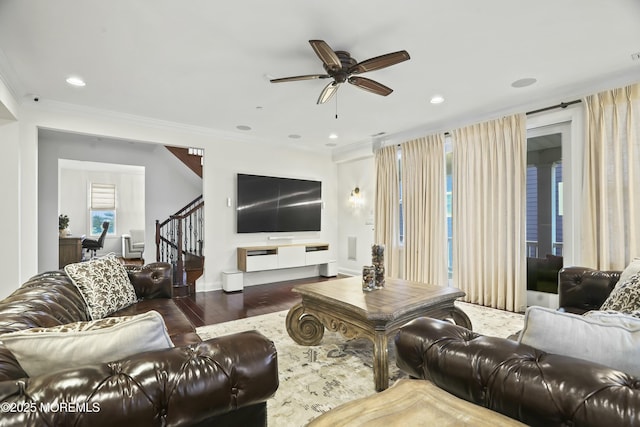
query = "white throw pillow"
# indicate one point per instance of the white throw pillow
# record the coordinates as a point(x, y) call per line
point(628, 320)
point(103, 283)
point(611, 343)
point(43, 350)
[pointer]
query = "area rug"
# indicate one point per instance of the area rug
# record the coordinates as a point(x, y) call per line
point(316, 379)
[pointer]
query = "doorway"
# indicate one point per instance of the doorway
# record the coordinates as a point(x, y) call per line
point(545, 217)
point(166, 179)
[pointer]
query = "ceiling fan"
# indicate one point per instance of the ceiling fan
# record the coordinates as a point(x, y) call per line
point(341, 67)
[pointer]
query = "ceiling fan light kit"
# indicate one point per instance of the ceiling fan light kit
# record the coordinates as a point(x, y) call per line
point(340, 67)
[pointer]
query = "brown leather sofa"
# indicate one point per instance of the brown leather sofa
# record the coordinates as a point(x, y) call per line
point(223, 381)
point(520, 381)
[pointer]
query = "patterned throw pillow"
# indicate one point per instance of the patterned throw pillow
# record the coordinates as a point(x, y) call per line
point(630, 270)
point(104, 284)
point(625, 297)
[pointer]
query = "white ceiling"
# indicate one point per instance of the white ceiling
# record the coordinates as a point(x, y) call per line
point(207, 63)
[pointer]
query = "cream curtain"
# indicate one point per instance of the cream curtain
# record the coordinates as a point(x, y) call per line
point(423, 202)
point(387, 207)
point(611, 222)
point(489, 186)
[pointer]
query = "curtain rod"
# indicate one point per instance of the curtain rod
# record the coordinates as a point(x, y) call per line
point(553, 107)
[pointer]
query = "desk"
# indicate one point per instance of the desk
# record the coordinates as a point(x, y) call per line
point(69, 250)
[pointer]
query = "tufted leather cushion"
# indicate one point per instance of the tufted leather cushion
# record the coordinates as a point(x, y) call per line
point(583, 289)
point(181, 386)
point(517, 380)
point(152, 280)
point(48, 299)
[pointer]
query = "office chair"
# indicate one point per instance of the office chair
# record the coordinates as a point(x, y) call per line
point(91, 245)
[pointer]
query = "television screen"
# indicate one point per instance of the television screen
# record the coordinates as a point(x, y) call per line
point(272, 204)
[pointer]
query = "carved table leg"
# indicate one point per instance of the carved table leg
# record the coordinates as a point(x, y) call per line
point(380, 361)
point(304, 328)
point(459, 317)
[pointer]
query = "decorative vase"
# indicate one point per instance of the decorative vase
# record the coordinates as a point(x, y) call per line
point(64, 232)
point(377, 259)
point(368, 278)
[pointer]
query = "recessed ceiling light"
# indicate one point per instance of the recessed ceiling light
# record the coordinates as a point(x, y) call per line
point(243, 127)
point(528, 81)
point(76, 81)
point(294, 136)
point(437, 99)
point(333, 136)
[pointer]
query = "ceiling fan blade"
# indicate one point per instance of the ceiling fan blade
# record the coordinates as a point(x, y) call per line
point(326, 54)
point(379, 62)
point(370, 85)
point(328, 92)
point(296, 78)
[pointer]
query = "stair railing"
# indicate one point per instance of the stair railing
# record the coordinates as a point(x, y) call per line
point(182, 233)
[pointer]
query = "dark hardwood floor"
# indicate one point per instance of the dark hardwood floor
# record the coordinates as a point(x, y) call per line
point(207, 308)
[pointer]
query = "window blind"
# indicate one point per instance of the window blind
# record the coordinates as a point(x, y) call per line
point(103, 196)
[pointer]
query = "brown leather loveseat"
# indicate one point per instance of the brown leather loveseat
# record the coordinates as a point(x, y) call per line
point(224, 381)
point(520, 381)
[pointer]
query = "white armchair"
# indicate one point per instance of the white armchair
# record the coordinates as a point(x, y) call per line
point(133, 244)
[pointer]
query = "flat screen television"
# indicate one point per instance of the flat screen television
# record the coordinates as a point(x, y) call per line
point(272, 204)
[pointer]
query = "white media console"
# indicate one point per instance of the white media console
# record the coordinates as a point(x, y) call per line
point(274, 257)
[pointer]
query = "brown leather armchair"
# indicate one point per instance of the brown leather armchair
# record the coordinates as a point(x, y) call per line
point(517, 380)
point(582, 289)
point(520, 381)
point(223, 381)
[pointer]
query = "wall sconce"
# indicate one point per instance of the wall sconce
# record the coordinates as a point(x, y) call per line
point(356, 198)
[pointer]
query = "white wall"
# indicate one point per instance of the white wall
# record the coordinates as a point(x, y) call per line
point(220, 168)
point(10, 212)
point(225, 155)
point(356, 221)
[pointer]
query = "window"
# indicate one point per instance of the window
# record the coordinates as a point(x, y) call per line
point(544, 232)
point(102, 207)
point(449, 192)
point(532, 211)
point(557, 208)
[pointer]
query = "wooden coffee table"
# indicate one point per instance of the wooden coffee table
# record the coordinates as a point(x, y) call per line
point(341, 306)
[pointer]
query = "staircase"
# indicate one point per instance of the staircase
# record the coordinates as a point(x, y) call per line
point(191, 157)
point(179, 241)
